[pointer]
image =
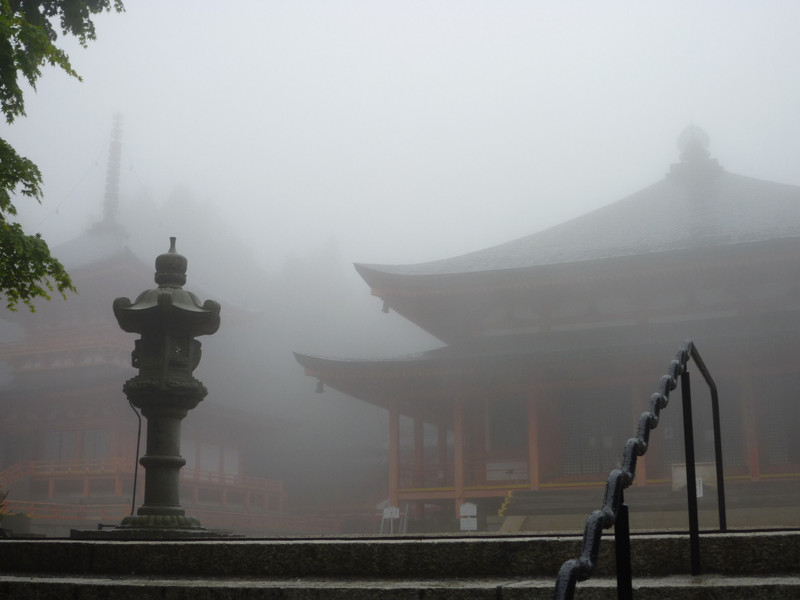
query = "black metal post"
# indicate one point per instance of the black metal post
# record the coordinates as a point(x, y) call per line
point(712, 387)
point(622, 547)
point(691, 475)
point(723, 521)
point(581, 568)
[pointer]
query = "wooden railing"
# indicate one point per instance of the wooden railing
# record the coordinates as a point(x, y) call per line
point(271, 492)
point(12, 474)
point(256, 483)
point(476, 473)
point(81, 467)
point(251, 522)
point(49, 511)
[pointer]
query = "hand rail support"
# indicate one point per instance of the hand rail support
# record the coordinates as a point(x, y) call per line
point(691, 473)
point(622, 549)
point(615, 512)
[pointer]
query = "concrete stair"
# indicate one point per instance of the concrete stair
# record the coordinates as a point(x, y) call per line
point(735, 565)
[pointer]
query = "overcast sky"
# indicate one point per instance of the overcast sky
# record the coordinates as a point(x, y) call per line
point(408, 131)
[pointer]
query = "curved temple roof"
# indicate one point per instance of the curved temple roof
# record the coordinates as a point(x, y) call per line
point(697, 210)
point(696, 205)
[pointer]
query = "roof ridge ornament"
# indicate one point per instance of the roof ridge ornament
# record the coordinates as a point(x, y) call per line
point(696, 165)
point(693, 142)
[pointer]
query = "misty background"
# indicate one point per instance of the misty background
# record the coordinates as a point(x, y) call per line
point(280, 142)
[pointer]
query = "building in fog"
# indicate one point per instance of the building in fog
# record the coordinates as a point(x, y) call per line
point(68, 437)
point(553, 344)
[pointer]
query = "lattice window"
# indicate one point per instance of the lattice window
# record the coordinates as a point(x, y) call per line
point(595, 428)
point(96, 444)
point(507, 425)
point(59, 445)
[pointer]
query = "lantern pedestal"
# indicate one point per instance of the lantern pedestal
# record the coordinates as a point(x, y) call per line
point(164, 405)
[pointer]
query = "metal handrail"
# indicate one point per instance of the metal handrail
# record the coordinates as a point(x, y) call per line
point(615, 512)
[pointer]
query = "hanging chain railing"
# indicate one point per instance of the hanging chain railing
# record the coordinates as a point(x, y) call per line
point(615, 511)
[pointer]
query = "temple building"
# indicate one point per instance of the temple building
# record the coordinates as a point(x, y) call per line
point(68, 436)
point(553, 344)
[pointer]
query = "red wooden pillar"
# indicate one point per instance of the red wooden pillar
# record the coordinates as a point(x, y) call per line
point(419, 452)
point(533, 442)
point(458, 451)
point(749, 425)
point(441, 458)
point(394, 456)
point(197, 454)
point(477, 428)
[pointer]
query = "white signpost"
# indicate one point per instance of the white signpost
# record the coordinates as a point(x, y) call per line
point(390, 513)
point(468, 513)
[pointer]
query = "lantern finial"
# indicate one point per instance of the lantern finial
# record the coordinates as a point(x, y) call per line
point(171, 267)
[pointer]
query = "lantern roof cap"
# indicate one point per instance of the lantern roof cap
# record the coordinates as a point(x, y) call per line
point(169, 302)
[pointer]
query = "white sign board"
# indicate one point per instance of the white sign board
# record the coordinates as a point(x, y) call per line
point(469, 523)
point(391, 512)
point(468, 509)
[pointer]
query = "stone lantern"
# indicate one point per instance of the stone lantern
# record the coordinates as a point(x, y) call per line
point(168, 318)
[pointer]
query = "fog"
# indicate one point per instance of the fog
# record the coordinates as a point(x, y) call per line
point(283, 141)
point(407, 131)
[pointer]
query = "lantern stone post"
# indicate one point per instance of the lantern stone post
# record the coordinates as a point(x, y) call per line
point(168, 318)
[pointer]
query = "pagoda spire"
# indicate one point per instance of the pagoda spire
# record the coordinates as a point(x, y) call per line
point(111, 198)
point(109, 223)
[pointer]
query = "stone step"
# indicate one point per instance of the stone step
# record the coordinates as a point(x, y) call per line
point(152, 588)
point(755, 552)
point(373, 557)
point(755, 564)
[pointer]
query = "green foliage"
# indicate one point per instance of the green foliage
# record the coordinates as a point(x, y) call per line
point(27, 43)
point(29, 270)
